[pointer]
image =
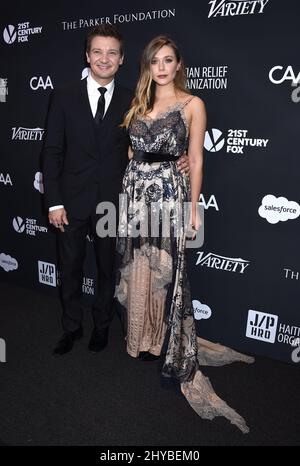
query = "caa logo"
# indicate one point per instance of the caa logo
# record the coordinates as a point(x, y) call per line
point(261, 326)
point(37, 82)
point(47, 273)
point(5, 179)
point(201, 311)
point(214, 140)
point(212, 202)
point(287, 75)
point(278, 209)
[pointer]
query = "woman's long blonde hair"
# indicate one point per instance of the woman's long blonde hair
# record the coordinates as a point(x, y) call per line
point(143, 101)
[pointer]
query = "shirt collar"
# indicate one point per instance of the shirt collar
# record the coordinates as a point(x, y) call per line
point(92, 85)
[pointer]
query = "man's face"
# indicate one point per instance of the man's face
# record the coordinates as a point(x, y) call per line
point(104, 58)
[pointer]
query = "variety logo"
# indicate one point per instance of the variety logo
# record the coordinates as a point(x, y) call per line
point(29, 225)
point(131, 17)
point(88, 286)
point(38, 182)
point(201, 311)
point(207, 77)
point(8, 263)
point(236, 140)
point(215, 261)
point(235, 7)
point(261, 326)
point(278, 209)
point(27, 134)
point(3, 89)
point(47, 273)
point(2, 350)
point(21, 32)
point(39, 82)
point(5, 179)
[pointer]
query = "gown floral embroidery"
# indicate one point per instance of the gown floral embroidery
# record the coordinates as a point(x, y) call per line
point(152, 283)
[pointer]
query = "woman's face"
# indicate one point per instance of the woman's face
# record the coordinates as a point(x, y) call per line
point(164, 66)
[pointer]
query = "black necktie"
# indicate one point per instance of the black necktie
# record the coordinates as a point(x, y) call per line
point(100, 106)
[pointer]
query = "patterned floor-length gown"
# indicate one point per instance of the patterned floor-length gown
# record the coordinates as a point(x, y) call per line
point(152, 284)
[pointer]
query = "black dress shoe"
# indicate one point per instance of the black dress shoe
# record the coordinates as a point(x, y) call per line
point(66, 343)
point(146, 356)
point(99, 340)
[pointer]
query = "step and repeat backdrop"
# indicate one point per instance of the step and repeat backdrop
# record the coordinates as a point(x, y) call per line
point(242, 59)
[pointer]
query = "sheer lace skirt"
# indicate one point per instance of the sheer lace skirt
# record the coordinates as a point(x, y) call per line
point(153, 288)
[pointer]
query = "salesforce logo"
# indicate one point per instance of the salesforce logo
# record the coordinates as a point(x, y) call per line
point(201, 311)
point(278, 209)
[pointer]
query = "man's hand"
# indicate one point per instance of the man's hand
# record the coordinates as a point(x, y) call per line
point(183, 164)
point(58, 218)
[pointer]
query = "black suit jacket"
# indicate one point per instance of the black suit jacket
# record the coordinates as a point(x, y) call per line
point(82, 164)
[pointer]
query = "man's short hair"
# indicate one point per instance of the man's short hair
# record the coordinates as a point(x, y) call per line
point(104, 30)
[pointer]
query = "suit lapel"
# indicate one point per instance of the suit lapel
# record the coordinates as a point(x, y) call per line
point(86, 117)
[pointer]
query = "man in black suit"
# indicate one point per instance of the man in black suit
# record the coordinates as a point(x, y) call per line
point(84, 159)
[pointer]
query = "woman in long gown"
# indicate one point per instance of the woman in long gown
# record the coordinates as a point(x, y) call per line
point(152, 285)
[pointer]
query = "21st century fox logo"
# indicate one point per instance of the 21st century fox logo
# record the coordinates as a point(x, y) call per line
point(19, 33)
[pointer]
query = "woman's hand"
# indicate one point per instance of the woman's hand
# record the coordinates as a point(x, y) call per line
point(183, 164)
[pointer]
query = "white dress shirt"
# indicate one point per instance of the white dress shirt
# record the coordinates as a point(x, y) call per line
point(93, 95)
